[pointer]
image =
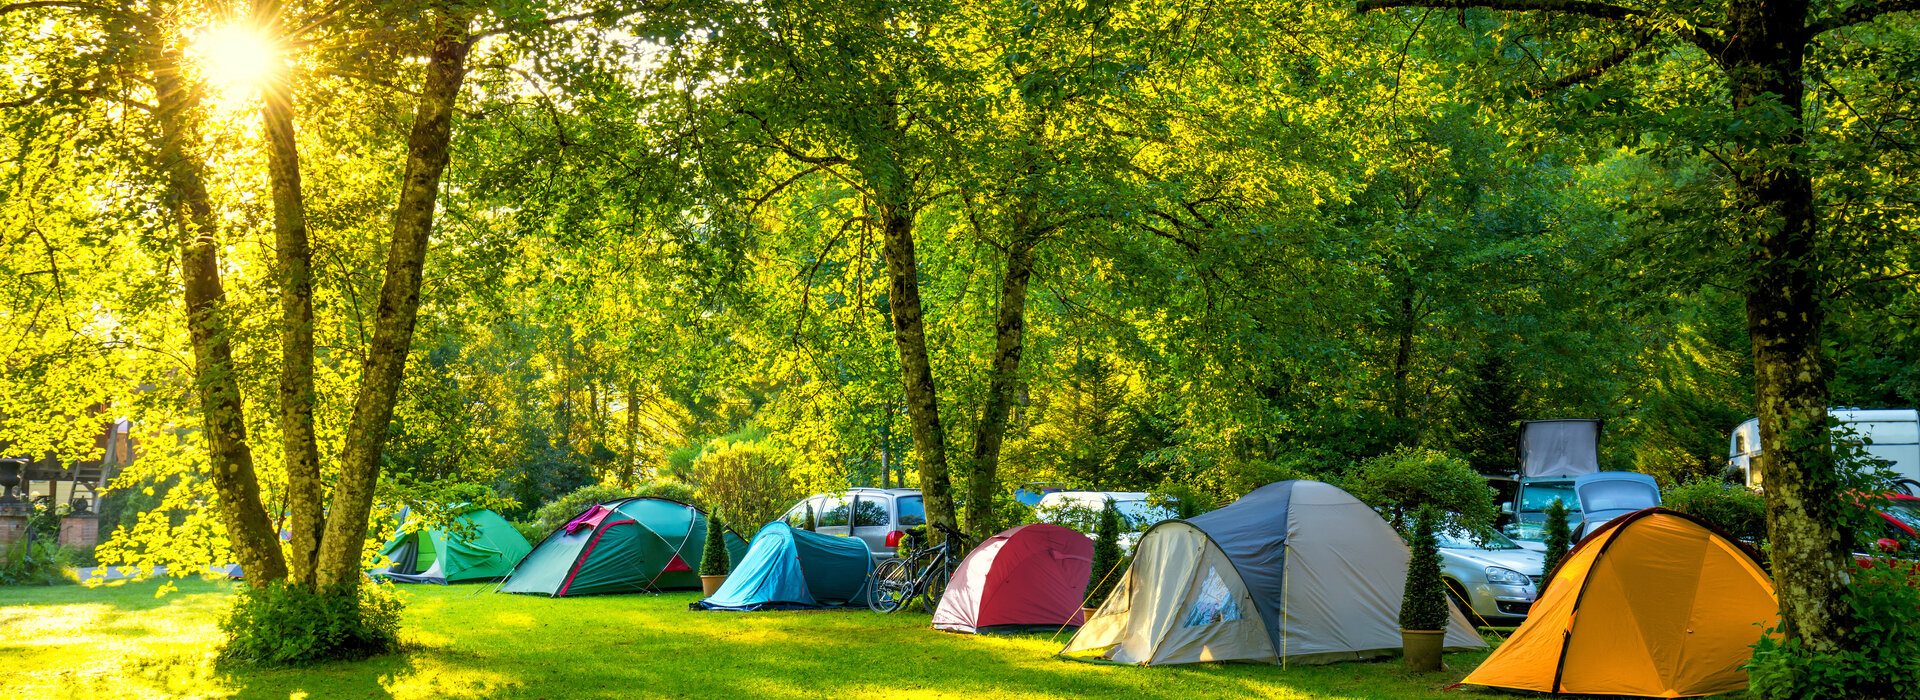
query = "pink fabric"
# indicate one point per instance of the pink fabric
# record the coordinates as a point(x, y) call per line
point(582, 559)
point(1029, 575)
point(591, 518)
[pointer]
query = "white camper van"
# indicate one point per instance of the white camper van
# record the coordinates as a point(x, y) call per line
point(1895, 436)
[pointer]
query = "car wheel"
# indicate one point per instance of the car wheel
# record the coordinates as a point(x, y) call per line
point(1455, 593)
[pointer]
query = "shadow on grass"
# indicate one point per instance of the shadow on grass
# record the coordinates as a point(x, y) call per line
point(465, 643)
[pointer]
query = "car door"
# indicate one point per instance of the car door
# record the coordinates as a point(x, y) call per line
point(797, 515)
point(872, 521)
point(834, 517)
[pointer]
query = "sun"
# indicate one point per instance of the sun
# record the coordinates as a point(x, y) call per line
point(235, 58)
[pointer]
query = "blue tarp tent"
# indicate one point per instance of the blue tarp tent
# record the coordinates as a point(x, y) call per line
point(788, 569)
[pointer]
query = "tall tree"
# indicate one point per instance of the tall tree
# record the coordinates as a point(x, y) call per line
point(1761, 51)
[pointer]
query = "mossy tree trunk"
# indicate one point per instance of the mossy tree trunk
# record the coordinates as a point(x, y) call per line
point(294, 254)
point(254, 539)
point(428, 151)
point(1009, 340)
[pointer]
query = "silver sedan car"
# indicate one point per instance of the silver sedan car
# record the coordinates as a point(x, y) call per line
point(1495, 581)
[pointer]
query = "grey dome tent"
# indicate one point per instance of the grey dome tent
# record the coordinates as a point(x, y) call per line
point(1294, 572)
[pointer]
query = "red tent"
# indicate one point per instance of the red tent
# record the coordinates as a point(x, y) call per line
point(1029, 576)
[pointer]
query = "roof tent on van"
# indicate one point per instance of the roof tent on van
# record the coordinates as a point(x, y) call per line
point(1559, 448)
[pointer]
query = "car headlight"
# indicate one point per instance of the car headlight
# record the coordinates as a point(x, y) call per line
point(1506, 577)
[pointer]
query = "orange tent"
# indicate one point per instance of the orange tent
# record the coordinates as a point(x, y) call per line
point(1655, 604)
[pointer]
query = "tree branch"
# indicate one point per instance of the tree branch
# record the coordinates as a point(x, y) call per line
point(1599, 68)
point(1598, 10)
point(1861, 13)
point(792, 152)
point(134, 17)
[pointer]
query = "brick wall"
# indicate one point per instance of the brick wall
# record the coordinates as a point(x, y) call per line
point(13, 528)
point(80, 530)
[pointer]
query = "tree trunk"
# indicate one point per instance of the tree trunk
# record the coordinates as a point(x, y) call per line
point(1810, 558)
point(305, 492)
point(916, 369)
point(428, 150)
point(633, 434)
point(254, 541)
point(1009, 340)
point(1404, 327)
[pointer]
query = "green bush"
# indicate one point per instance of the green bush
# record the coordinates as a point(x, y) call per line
point(714, 559)
point(1106, 556)
point(1424, 603)
point(1734, 509)
point(552, 515)
point(1184, 500)
point(557, 512)
point(1402, 481)
point(751, 481)
point(534, 531)
point(42, 563)
point(1559, 538)
point(282, 625)
point(1884, 608)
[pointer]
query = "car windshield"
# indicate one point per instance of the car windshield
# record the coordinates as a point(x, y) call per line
point(1141, 514)
point(1619, 495)
point(1907, 512)
point(1536, 497)
point(1465, 540)
point(913, 512)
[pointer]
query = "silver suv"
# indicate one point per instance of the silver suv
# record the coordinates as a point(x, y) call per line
point(876, 516)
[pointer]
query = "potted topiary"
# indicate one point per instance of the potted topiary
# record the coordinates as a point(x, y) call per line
point(715, 560)
point(1423, 608)
point(1106, 558)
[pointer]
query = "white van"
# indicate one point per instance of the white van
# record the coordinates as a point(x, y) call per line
point(1079, 510)
point(1895, 434)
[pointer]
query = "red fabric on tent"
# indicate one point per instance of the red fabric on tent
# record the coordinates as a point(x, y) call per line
point(677, 564)
point(1029, 575)
point(591, 518)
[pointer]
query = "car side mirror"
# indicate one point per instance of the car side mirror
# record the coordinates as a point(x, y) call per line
point(1506, 508)
point(1887, 545)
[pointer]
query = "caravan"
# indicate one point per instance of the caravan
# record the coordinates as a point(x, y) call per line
point(1894, 436)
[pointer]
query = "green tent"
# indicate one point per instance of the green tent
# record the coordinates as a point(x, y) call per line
point(482, 547)
point(624, 546)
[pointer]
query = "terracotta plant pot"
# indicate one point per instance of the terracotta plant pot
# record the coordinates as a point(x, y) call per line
point(1422, 649)
point(709, 584)
point(1088, 613)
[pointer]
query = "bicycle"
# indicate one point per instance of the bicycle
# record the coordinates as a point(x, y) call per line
point(923, 573)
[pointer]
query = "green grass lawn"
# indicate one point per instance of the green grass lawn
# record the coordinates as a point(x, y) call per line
point(123, 641)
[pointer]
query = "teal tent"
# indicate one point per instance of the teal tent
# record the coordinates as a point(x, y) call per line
point(479, 546)
point(625, 546)
point(789, 568)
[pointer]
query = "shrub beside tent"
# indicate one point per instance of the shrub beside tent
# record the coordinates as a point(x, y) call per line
point(1032, 576)
point(791, 569)
point(625, 546)
point(1294, 572)
point(1655, 604)
point(481, 546)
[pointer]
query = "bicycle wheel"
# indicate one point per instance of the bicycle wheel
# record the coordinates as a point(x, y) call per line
point(890, 586)
point(936, 585)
